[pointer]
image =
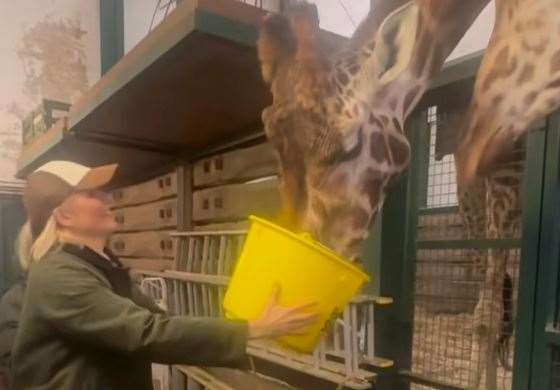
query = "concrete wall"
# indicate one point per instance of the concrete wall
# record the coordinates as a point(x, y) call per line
point(48, 49)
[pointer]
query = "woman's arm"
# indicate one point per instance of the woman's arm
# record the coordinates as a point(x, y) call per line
point(82, 307)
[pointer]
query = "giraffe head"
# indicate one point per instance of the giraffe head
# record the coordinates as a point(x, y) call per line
point(276, 44)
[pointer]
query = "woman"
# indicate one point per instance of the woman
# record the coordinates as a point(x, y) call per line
point(83, 324)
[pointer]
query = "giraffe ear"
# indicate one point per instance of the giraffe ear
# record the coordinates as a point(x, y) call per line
point(396, 39)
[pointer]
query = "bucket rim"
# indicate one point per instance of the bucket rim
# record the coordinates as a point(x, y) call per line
point(312, 244)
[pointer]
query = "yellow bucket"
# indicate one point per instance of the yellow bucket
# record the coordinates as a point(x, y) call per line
point(304, 270)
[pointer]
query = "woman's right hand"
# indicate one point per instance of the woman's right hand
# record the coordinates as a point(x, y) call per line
point(278, 320)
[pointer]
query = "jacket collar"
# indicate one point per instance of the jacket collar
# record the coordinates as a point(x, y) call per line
point(110, 267)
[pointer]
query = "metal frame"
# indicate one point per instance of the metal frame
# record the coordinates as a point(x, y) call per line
point(349, 358)
point(111, 19)
point(546, 302)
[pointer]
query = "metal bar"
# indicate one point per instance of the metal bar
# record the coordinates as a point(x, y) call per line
point(354, 350)
point(529, 260)
point(203, 378)
point(423, 380)
point(347, 343)
point(371, 331)
point(176, 299)
point(112, 32)
point(206, 305)
point(221, 259)
point(469, 244)
point(334, 374)
point(184, 299)
point(190, 291)
point(438, 210)
point(209, 233)
point(217, 280)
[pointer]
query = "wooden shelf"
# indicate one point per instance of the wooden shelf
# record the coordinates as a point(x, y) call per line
point(190, 85)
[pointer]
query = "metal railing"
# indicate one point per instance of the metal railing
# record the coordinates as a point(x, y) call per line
point(346, 354)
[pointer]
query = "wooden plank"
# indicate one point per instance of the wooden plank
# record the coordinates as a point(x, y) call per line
point(237, 201)
point(152, 190)
point(147, 264)
point(158, 244)
point(151, 216)
point(184, 195)
point(238, 165)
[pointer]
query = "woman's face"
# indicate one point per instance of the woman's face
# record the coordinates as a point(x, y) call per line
point(88, 213)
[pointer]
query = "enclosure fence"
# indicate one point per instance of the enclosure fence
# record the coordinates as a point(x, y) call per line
point(450, 269)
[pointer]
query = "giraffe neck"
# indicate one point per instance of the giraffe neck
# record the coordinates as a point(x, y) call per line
point(518, 83)
point(386, 151)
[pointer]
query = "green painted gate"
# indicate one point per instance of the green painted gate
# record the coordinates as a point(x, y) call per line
point(427, 330)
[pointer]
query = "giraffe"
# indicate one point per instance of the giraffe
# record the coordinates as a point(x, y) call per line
point(366, 151)
point(518, 83)
point(337, 122)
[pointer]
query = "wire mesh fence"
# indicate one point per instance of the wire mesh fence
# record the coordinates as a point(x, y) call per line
point(454, 292)
point(442, 178)
point(555, 381)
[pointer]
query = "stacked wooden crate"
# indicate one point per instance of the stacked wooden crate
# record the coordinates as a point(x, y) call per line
point(146, 214)
point(230, 186)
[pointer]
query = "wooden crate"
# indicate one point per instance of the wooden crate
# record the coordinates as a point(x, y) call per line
point(152, 190)
point(151, 216)
point(42, 118)
point(238, 165)
point(237, 201)
point(156, 244)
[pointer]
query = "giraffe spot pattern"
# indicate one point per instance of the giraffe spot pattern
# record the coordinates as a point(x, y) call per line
point(397, 125)
point(354, 246)
point(530, 98)
point(526, 74)
point(319, 209)
point(497, 100)
point(353, 69)
point(378, 148)
point(555, 62)
point(372, 186)
point(373, 120)
point(410, 96)
point(360, 218)
point(342, 156)
point(342, 78)
point(399, 150)
point(554, 84)
point(384, 119)
point(538, 48)
point(502, 69)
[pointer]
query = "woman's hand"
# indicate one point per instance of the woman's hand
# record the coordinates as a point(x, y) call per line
point(278, 320)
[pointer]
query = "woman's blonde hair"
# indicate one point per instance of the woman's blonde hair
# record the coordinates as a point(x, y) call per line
point(31, 251)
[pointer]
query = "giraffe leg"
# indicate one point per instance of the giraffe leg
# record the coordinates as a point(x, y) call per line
point(473, 210)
